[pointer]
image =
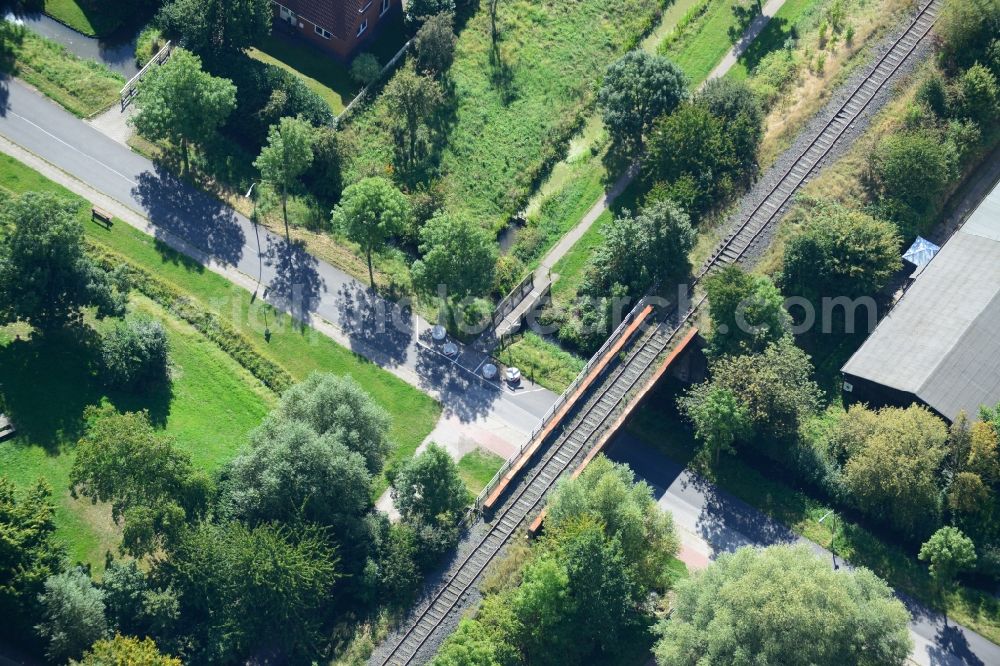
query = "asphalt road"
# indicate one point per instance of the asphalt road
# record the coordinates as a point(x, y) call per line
point(295, 281)
point(710, 521)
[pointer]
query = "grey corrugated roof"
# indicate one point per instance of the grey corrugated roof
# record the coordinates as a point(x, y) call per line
point(941, 342)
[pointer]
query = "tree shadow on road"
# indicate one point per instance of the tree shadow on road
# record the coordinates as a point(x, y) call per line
point(175, 207)
point(728, 523)
point(380, 328)
point(297, 285)
point(950, 643)
point(463, 394)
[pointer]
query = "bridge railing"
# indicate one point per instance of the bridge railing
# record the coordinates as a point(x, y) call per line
point(513, 299)
point(131, 88)
point(477, 506)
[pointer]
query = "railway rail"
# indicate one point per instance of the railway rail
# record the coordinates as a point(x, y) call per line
point(587, 421)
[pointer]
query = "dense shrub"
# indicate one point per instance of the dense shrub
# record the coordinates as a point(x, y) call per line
point(507, 274)
point(977, 95)
point(135, 354)
point(365, 69)
point(840, 252)
point(966, 29)
point(912, 169)
point(265, 93)
point(72, 615)
point(774, 74)
point(322, 179)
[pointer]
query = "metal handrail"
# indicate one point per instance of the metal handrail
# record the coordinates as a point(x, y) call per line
point(131, 88)
point(563, 398)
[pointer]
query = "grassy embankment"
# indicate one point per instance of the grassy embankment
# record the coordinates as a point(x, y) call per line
point(692, 38)
point(82, 87)
point(213, 401)
point(85, 16)
point(477, 468)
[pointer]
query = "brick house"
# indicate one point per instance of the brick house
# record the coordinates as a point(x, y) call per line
point(338, 26)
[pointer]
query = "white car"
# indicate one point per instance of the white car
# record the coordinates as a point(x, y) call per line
point(489, 371)
point(513, 376)
point(438, 333)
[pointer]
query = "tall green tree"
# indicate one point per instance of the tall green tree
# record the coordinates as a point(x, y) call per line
point(29, 554)
point(457, 253)
point(776, 386)
point(414, 99)
point(336, 405)
point(291, 473)
point(217, 27)
point(742, 114)
point(371, 212)
point(638, 89)
point(609, 493)
point(434, 44)
point(428, 486)
point(287, 155)
point(602, 585)
point(691, 158)
point(151, 485)
point(249, 591)
point(182, 104)
point(747, 311)
point(135, 354)
point(840, 252)
point(783, 605)
point(46, 278)
point(718, 416)
point(948, 553)
point(639, 251)
point(893, 474)
point(72, 616)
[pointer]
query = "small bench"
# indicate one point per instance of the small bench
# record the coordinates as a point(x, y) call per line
point(102, 216)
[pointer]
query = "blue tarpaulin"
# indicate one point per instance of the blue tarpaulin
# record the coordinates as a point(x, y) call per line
point(921, 252)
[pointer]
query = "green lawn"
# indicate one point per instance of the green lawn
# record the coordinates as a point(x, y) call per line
point(86, 16)
point(658, 424)
point(82, 87)
point(542, 361)
point(477, 468)
point(775, 34)
point(299, 350)
point(510, 117)
point(321, 72)
point(211, 405)
point(328, 78)
point(701, 42)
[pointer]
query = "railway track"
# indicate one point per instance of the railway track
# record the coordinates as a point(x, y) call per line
point(590, 419)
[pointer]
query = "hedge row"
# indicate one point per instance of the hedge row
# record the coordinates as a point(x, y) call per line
point(223, 334)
